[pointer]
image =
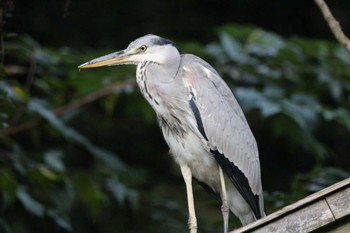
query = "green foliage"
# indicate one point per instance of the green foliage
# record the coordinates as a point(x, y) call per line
point(7, 107)
point(305, 81)
point(48, 172)
point(79, 156)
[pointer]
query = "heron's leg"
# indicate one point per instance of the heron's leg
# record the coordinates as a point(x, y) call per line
point(224, 208)
point(187, 175)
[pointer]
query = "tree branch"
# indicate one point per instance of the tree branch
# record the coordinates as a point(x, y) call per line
point(333, 24)
point(71, 106)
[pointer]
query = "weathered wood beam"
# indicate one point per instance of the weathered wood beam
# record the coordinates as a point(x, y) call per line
point(309, 214)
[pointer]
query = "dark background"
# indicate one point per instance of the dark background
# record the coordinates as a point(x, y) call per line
point(107, 23)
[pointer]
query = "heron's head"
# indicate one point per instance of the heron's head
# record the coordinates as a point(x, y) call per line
point(147, 48)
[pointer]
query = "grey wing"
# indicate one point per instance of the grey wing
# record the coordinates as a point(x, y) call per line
point(222, 123)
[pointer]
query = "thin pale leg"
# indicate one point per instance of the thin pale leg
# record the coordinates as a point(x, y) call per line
point(192, 221)
point(224, 208)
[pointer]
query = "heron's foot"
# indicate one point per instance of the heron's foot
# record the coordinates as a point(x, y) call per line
point(192, 224)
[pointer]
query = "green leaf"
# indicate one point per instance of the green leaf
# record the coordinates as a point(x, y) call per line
point(326, 78)
point(62, 222)
point(340, 115)
point(47, 173)
point(233, 49)
point(89, 193)
point(122, 193)
point(109, 158)
point(53, 158)
point(30, 204)
point(343, 55)
point(264, 43)
point(8, 186)
point(303, 110)
point(252, 99)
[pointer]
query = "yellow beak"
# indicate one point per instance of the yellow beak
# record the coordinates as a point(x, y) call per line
point(117, 58)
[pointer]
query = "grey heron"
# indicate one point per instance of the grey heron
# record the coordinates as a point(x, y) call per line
point(202, 123)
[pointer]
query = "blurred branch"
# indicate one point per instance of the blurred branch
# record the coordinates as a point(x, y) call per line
point(333, 24)
point(72, 105)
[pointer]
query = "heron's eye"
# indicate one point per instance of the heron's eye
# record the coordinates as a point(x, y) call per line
point(143, 48)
